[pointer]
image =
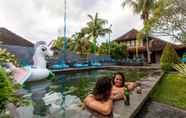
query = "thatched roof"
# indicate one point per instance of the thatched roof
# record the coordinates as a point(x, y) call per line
point(131, 35)
point(158, 45)
point(9, 38)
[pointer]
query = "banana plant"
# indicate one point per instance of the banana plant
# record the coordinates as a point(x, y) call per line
point(181, 68)
point(7, 57)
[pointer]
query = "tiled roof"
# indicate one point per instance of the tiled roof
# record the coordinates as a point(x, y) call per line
point(10, 38)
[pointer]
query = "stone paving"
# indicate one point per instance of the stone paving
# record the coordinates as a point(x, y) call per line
point(154, 109)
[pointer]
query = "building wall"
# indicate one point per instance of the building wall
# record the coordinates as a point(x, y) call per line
point(157, 57)
point(24, 54)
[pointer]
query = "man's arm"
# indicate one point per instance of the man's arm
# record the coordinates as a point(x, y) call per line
point(104, 108)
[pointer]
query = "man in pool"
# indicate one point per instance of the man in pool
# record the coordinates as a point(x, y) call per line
point(100, 100)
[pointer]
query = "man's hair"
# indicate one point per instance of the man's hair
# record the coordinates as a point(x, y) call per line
point(102, 90)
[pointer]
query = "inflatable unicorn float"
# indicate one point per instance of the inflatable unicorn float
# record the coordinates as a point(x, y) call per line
point(38, 70)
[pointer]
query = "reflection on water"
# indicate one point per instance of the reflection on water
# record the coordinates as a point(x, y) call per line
point(64, 94)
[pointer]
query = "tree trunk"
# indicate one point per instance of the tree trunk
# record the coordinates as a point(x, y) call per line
point(147, 40)
point(148, 50)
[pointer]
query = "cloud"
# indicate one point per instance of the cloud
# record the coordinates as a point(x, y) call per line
point(42, 19)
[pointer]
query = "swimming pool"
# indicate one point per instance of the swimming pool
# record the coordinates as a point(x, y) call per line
point(68, 90)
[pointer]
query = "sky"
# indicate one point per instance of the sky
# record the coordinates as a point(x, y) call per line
point(38, 20)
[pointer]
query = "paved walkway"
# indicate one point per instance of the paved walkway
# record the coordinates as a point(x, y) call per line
point(159, 110)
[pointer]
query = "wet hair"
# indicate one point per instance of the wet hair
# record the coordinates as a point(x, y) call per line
point(122, 76)
point(102, 90)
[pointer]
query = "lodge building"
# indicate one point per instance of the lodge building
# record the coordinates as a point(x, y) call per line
point(156, 46)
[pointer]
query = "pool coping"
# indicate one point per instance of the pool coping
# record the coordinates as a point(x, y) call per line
point(61, 71)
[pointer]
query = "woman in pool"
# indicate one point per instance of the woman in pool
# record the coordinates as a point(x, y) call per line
point(119, 86)
point(100, 100)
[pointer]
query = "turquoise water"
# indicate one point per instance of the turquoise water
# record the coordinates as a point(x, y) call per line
point(69, 89)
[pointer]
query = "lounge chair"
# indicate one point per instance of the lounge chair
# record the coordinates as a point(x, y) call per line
point(59, 66)
point(79, 65)
point(183, 59)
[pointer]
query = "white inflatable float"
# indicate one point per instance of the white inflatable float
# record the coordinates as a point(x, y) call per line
point(38, 70)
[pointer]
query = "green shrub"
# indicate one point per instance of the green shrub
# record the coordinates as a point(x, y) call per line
point(7, 91)
point(6, 57)
point(118, 51)
point(168, 58)
point(181, 68)
point(184, 55)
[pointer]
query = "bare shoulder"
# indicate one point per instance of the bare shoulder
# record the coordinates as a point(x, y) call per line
point(89, 98)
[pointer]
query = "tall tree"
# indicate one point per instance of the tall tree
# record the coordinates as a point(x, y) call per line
point(118, 51)
point(172, 20)
point(95, 28)
point(59, 43)
point(103, 49)
point(81, 43)
point(144, 8)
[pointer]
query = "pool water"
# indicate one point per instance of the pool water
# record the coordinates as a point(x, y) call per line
point(70, 89)
point(81, 84)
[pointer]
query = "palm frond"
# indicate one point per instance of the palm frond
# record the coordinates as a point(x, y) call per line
point(131, 3)
point(90, 16)
point(181, 68)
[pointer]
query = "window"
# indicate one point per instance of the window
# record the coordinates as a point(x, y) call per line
point(141, 43)
point(132, 43)
point(128, 43)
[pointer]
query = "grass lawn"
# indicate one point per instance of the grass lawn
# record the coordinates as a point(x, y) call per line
point(171, 90)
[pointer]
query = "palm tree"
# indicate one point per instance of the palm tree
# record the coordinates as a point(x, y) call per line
point(95, 28)
point(103, 49)
point(145, 8)
point(59, 43)
point(81, 43)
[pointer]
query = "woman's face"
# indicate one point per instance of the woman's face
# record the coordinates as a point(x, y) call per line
point(118, 80)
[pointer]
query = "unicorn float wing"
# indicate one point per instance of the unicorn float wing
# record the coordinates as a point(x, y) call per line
point(21, 75)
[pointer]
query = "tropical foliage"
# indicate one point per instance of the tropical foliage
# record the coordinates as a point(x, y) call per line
point(171, 19)
point(95, 28)
point(104, 49)
point(168, 58)
point(85, 41)
point(7, 91)
point(7, 57)
point(184, 55)
point(163, 17)
point(143, 7)
point(181, 68)
point(82, 44)
point(118, 51)
point(59, 43)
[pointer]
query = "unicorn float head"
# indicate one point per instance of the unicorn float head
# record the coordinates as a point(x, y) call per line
point(42, 51)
